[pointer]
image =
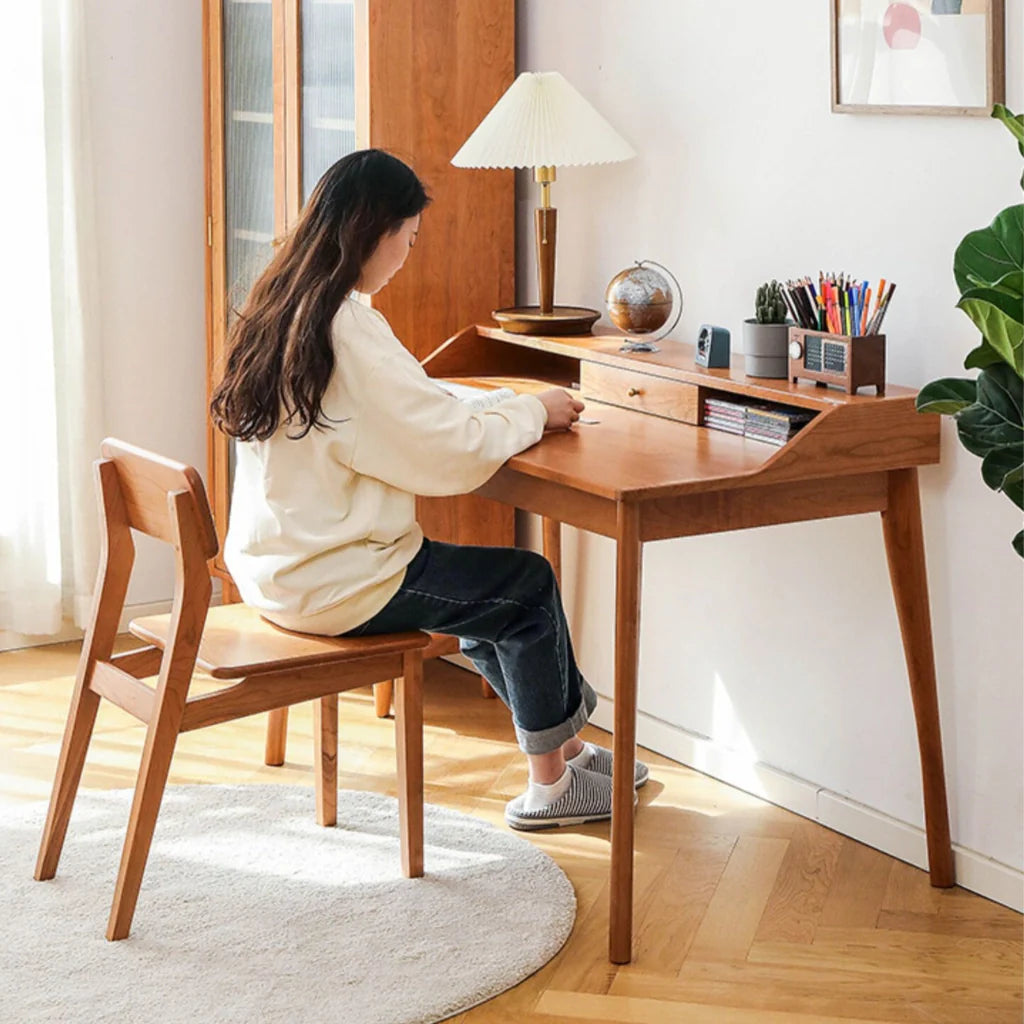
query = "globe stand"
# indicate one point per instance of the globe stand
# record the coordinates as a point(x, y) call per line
point(644, 341)
point(647, 345)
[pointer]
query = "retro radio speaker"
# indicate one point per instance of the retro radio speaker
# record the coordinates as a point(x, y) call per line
point(847, 362)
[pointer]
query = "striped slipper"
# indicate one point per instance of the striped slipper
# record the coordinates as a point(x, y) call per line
point(601, 763)
point(588, 798)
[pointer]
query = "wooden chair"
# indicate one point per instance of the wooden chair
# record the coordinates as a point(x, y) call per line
point(267, 668)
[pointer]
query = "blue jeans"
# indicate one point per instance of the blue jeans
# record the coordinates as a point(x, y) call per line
point(504, 606)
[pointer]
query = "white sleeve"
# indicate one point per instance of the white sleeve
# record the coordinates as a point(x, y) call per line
point(418, 438)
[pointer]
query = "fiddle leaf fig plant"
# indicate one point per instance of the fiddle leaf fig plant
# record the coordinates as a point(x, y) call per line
point(989, 410)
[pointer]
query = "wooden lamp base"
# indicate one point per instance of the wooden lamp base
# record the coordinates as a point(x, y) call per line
point(560, 320)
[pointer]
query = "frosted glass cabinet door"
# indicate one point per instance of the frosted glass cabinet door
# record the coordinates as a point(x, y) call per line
point(248, 143)
point(328, 87)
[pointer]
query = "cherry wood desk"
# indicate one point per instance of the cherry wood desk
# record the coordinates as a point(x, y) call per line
point(649, 471)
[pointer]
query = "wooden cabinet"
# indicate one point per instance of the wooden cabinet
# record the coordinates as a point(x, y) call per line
point(292, 86)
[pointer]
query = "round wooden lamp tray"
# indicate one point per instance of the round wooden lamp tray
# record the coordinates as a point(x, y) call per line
point(561, 320)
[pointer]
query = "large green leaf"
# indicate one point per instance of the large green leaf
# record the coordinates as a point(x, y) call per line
point(994, 421)
point(1011, 283)
point(1018, 541)
point(1015, 492)
point(999, 317)
point(980, 432)
point(1002, 390)
point(989, 254)
point(1003, 467)
point(982, 356)
point(1015, 122)
point(947, 396)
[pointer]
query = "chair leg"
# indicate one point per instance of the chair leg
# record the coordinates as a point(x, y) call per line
point(277, 737)
point(325, 747)
point(409, 746)
point(77, 734)
point(485, 690)
point(382, 694)
point(119, 555)
point(161, 737)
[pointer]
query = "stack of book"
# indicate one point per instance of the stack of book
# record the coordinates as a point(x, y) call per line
point(760, 421)
point(724, 415)
point(774, 424)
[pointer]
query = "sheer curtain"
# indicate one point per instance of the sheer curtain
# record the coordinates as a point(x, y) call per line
point(51, 394)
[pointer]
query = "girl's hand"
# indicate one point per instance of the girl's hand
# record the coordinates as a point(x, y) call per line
point(563, 410)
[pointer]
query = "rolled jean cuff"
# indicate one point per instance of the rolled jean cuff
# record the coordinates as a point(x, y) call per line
point(546, 740)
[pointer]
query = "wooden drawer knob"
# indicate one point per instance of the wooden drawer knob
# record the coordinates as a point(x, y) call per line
point(633, 392)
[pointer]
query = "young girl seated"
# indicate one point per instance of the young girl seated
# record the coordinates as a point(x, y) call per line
point(339, 428)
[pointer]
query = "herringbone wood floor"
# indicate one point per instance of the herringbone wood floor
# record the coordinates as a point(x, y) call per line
point(746, 913)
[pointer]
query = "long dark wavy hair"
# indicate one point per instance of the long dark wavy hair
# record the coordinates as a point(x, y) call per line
point(279, 352)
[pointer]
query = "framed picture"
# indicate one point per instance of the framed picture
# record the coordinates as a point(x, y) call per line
point(917, 56)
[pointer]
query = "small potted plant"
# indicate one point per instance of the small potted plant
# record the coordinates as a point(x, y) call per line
point(766, 335)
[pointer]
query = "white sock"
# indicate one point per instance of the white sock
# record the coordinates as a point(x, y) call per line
point(583, 758)
point(541, 794)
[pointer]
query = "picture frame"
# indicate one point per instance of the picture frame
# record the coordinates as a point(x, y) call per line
point(917, 56)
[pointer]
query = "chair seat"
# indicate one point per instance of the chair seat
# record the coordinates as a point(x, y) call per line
point(238, 641)
point(440, 645)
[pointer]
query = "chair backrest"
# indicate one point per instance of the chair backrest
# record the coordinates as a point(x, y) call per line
point(164, 499)
point(146, 480)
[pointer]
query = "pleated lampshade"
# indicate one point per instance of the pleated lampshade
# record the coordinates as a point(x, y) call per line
point(542, 121)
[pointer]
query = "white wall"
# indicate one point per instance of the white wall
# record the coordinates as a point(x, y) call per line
point(779, 647)
point(146, 106)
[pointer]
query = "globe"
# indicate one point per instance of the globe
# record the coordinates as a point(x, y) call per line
point(639, 299)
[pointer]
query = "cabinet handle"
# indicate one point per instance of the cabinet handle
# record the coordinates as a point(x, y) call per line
point(633, 392)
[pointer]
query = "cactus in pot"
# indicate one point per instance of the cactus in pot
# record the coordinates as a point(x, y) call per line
point(766, 335)
point(769, 305)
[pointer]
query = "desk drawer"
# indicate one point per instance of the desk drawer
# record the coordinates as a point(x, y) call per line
point(659, 396)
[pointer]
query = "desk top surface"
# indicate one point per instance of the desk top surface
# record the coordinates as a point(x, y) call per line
point(628, 453)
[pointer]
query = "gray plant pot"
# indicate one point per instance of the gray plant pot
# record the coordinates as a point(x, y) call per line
point(766, 349)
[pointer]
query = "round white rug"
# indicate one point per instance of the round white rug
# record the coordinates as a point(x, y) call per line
point(250, 911)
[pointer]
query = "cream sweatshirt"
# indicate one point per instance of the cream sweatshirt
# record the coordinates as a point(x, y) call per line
point(322, 527)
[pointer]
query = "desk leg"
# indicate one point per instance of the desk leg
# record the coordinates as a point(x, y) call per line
point(627, 655)
point(904, 548)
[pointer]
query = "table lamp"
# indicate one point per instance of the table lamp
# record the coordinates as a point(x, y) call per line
point(542, 122)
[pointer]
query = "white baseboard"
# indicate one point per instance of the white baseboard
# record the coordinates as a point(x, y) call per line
point(974, 871)
point(15, 641)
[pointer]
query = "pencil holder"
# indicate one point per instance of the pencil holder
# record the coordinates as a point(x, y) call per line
point(849, 362)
